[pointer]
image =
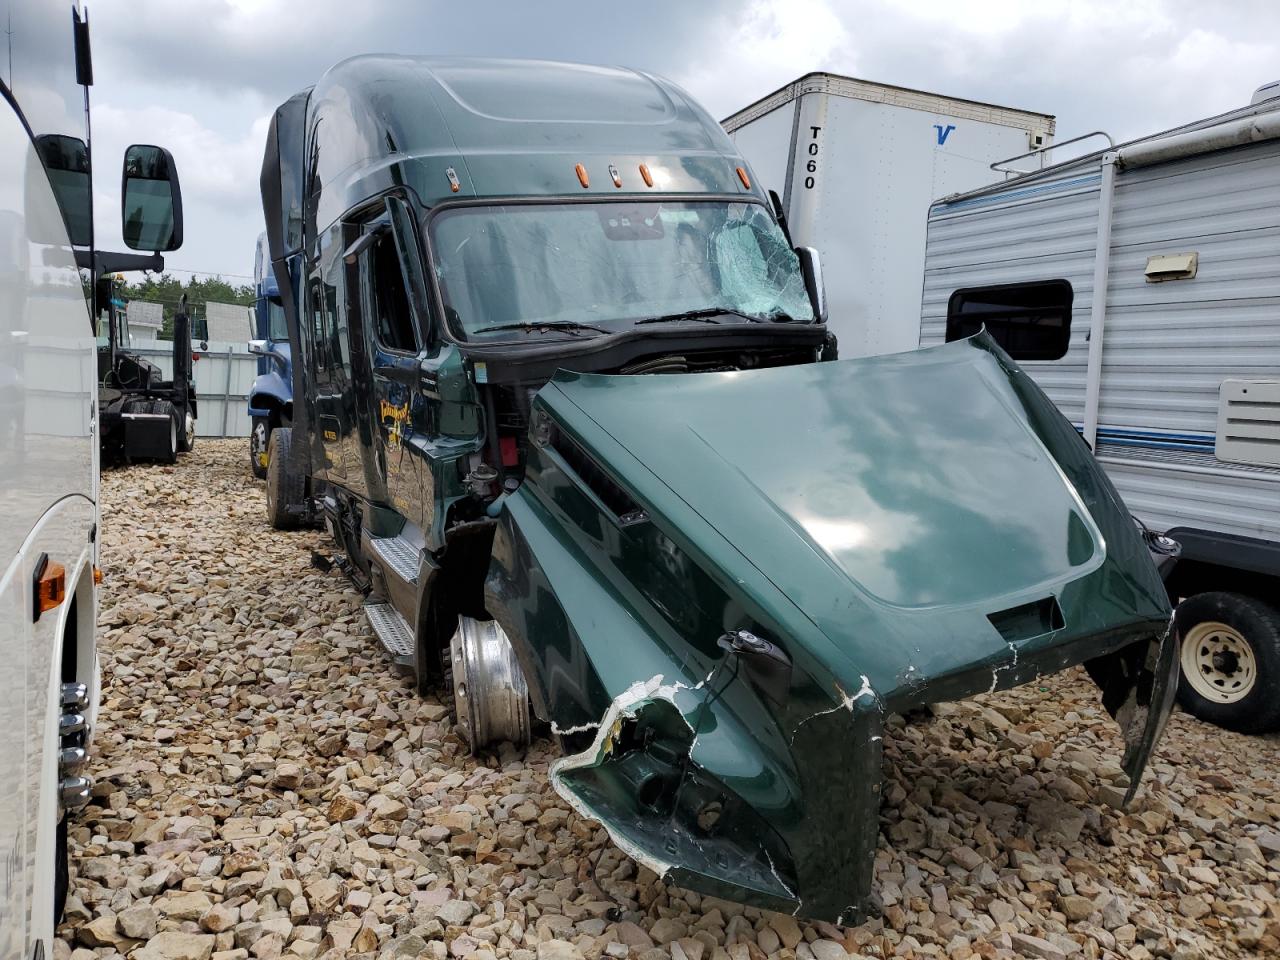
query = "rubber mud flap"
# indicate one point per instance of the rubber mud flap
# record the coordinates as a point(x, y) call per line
point(1141, 738)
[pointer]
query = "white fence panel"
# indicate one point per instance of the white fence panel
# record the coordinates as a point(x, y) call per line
point(223, 375)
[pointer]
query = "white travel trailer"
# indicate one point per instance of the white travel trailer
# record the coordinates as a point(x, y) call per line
point(1173, 377)
point(855, 165)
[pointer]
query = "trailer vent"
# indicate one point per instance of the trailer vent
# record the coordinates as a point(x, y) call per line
point(1171, 266)
point(1249, 422)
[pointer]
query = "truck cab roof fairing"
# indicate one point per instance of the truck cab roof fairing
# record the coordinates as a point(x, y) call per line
point(381, 121)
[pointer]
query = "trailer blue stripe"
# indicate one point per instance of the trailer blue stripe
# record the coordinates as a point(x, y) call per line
point(1018, 194)
point(1158, 439)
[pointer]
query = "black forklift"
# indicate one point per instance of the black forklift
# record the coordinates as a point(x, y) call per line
point(141, 414)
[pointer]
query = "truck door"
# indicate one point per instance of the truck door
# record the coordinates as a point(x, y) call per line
point(332, 369)
point(394, 337)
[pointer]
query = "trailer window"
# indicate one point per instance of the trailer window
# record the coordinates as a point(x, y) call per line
point(1030, 321)
point(388, 301)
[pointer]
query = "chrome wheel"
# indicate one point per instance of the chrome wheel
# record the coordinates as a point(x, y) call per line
point(489, 691)
point(1218, 662)
point(258, 447)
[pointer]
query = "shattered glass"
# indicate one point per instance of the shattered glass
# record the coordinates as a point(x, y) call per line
point(612, 264)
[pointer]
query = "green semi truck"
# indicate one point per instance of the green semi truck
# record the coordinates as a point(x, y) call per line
point(565, 398)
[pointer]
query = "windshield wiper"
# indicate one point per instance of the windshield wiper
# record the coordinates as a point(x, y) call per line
point(570, 326)
point(709, 315)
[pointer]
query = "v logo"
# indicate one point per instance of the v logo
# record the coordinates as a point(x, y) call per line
point(943, 132)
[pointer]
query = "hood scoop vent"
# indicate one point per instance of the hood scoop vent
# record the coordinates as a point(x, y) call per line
point(592, 476)
point(1028, 620)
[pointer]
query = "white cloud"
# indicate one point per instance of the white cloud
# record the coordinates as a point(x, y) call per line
point(222, 211)
point(200, 76)
point(771, 44)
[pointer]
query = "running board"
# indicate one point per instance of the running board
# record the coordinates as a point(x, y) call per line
point(398, 554)
point(392, 630)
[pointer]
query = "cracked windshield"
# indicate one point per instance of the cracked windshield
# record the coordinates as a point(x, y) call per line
point(592, 268)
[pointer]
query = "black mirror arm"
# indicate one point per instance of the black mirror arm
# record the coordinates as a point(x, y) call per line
point(364, 241)
point(781, 216)
point(103, 261)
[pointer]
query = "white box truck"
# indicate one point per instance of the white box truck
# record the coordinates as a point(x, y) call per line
point(49, 426)
point(48, 468)
point(1172, 376)
point(856, 165)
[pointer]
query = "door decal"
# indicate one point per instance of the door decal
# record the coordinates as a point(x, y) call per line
point(395, 420)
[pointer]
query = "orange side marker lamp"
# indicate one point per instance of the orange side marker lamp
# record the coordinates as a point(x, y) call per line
point(645, 175)
point(50, 586)
point(583, 179)
point(742, 175)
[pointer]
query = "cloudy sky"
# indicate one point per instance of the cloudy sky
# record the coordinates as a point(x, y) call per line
point(202, 76)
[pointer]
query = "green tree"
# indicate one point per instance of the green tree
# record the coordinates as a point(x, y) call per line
point(167, 290)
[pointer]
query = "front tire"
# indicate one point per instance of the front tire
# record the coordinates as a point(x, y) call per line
point(259, 435)
point(187, 436)
point(285, 489)
point(1230, 660)
point(171, 453)
point(490, 696)
point(61, 871)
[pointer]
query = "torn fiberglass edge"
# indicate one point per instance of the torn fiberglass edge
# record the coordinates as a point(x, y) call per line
point(719, 586)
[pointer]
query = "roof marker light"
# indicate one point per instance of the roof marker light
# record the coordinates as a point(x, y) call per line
point(583, 179)
point(742, 175)
point(646, 175)
point(617, 177)
point(454, 185)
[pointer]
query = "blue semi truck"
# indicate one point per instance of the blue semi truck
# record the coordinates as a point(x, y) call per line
point(271, 397)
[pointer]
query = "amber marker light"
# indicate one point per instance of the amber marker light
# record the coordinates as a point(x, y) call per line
point(454, 185)
point(617, 177)
point(742, 175)
point(97, 575)
point(583, 179)
point(645, 175)
point(51, 586)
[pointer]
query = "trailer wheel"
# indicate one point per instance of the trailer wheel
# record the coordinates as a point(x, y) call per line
point(284, 487)
point(489, 691)
point(258, 436)
point(1230, 659)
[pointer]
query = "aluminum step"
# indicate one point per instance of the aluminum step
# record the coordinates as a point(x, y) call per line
point(398, 554)
point(393, 630)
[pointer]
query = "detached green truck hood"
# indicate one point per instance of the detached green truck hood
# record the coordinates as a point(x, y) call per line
point(883, 498)
point(886, 533)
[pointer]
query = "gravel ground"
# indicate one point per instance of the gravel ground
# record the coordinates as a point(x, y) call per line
point(267, 786)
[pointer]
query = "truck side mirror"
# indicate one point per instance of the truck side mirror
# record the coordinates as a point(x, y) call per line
point(259, 347)
point(811, 267)
point(150, 200)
